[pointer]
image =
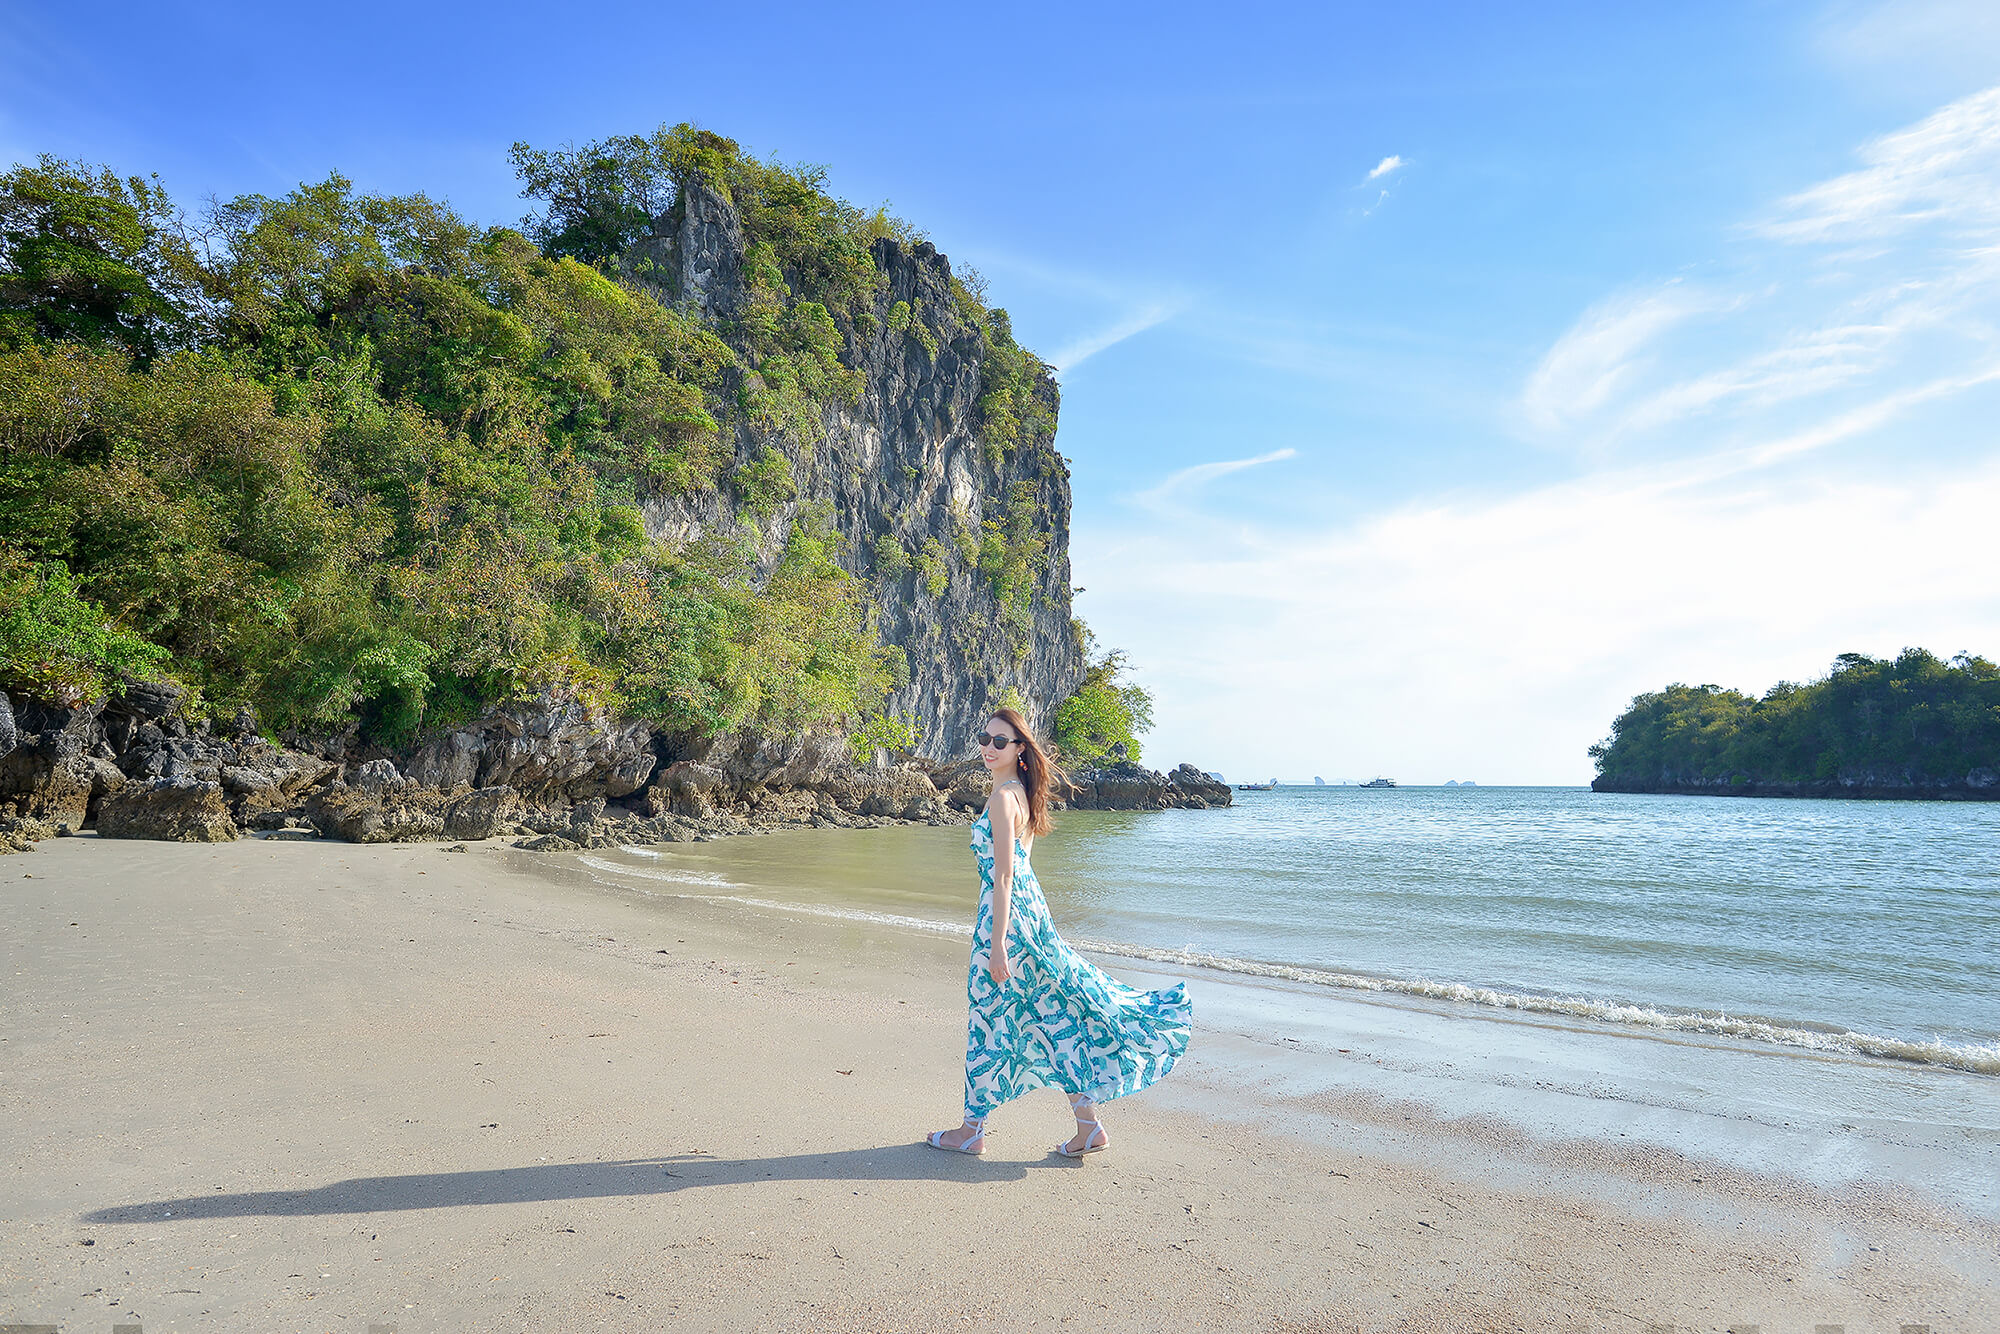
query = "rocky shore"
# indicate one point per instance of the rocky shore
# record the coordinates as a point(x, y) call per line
point(552, 773)
point(1980, 784)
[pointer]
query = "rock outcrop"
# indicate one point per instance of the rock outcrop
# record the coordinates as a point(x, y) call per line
point(179, 810)
point(909, 465)
point(1128, 786)
point(1980, 784)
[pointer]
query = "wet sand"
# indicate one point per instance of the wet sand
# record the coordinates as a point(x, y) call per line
point(280, 1085)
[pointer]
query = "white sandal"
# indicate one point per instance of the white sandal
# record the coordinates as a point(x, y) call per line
point(967, 1145)
point(1093, 1139)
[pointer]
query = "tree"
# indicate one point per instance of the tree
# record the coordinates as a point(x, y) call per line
point(1105, 711)
point(85, 255)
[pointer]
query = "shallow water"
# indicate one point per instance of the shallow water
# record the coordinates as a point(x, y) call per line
point(1854, 926)
point(1813, 967)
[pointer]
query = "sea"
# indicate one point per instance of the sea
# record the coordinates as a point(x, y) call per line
point(1744, 978)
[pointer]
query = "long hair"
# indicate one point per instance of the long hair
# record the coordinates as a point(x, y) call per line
point(1039, 774)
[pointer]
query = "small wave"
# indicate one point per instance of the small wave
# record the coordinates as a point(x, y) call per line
point(849, 914)
point(708, 879)
point(1983, 1059)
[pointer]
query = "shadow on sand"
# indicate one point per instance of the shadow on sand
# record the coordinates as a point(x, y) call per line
point(579, 1181)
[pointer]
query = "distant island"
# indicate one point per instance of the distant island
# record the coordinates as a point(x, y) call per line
point(1916, 728)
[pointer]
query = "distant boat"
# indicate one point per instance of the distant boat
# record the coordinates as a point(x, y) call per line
point(1381, 782)
point(1257, 787)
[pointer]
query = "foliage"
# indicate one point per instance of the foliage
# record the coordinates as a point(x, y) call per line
point(931, 566)
point(87, 256)
point(1105, 711)
point(1915, 718)
point(879, 731)
point(392, 475)
point(346, 456)
point(1012, 554)
point(891, 559)
point(598, 199)
point(58, 644)
point(765, 482)
point(1012, 382)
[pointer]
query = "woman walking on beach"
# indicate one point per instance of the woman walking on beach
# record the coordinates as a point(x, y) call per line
point(1040, 1014)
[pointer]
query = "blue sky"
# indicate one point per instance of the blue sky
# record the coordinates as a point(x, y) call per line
point(1434, 380)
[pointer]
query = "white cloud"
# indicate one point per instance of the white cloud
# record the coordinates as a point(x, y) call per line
point(1908, 293)
point(1385, 166)
point(1945, 168)
point(1601, 354)
point(1077, 351)
point(1178, 486)
point(1497, 639)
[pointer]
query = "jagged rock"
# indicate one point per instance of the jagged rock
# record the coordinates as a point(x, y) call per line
point(360, 816)
point(104, 776)
point(551, 843)
point(687, 788)
point(1129, 786)
point(44, 776)
point(786, 806)
point(965, 785)
point(901, 792)
point(482, 814)
point(553, 748)
point(21, 835)
point(1198, 788)
point(176, 810)
point(10, 735)
point(238, 781)
point(377, 777)
point(908, 465)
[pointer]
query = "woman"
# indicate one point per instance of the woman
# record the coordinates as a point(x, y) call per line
point(1040, 1014)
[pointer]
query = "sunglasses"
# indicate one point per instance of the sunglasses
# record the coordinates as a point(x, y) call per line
point(1002, 742)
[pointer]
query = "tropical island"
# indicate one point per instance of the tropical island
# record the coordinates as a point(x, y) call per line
point(1912, 727)
point(701, 495)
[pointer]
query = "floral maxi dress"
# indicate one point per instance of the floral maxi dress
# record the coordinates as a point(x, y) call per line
point(1059, 1021)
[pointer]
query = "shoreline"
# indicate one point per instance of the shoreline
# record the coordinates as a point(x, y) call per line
point(468, 1089)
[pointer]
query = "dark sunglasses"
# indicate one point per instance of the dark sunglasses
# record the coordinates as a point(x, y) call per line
point(1001, 741)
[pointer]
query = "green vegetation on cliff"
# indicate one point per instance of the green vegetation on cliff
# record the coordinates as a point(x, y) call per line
point(1106, 712)
point(1912, 722)
point(349, 457)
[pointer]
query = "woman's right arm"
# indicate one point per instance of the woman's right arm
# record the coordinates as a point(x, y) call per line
point(1000, 815)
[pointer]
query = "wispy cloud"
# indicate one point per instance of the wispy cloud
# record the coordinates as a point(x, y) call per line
point(1605, 350)
point(1177, 487)
point(1945, 168)
point(1074, 353)
point(1884, 277)
point(1388, 164)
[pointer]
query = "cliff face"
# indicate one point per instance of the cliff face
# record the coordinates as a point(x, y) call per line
point(906, 463)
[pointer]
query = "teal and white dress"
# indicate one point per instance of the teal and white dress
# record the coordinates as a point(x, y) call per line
point(1059, 1021)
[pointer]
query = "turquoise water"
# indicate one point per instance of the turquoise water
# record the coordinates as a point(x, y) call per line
point(1852, 928)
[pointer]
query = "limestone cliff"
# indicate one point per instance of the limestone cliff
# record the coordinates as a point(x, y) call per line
point(905, 469)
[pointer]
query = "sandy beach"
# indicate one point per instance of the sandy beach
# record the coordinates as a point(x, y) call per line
point(280, 1085)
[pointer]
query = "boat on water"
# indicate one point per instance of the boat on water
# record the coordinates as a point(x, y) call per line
point(1381, 782)
point(1257, 787)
